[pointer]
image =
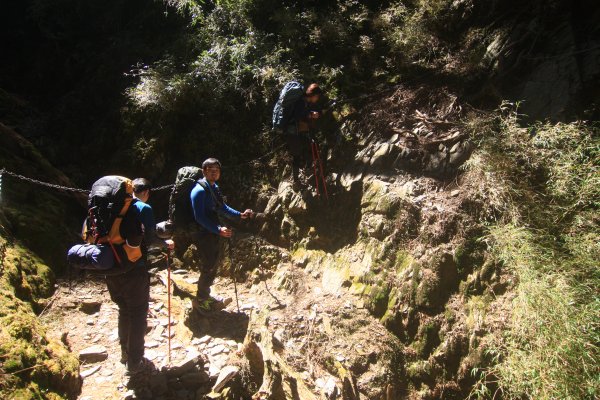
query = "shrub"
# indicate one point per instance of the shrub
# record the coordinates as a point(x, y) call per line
point(543, 184)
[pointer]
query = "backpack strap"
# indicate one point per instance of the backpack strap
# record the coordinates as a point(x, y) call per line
point(218, 199)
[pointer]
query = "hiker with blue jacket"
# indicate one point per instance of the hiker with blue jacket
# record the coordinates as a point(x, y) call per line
point(208, 206)
point(296, 120)
point(131, 290)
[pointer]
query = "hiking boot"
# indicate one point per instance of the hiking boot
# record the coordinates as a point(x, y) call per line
point(210, 304)
point(143, 366)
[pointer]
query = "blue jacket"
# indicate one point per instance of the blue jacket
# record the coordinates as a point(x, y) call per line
point(206, 210)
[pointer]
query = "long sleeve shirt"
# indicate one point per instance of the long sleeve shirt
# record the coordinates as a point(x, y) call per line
point(206, 210)
point(146, 217)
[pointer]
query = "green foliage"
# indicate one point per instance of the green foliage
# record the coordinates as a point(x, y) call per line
point(543, 186)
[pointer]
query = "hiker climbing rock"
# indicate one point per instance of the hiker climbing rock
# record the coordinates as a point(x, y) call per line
point(294, 115)
point(208, 206)
point(131, 290)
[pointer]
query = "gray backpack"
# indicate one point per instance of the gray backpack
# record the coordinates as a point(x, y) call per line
point(284, 108)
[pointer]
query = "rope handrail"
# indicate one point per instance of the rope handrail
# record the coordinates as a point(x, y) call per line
point(42, 183)
point(60, 187)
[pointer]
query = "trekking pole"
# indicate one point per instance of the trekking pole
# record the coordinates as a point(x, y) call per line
point(232, 270)
point(168, 303)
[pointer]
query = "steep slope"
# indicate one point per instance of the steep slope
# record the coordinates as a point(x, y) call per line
point(33, 231)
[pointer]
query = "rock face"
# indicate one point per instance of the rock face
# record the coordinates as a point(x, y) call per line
point(402, 252)
point(554, 81)
point(32, 364)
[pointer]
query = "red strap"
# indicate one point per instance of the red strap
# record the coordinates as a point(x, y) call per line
point(115, 252)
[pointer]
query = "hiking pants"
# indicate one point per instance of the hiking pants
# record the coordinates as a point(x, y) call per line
point(298, 145)
point(131, 292)
point(208, 247)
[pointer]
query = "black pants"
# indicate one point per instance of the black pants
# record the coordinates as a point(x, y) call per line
point(208, 247)
point(131, 292)
point(298, 146)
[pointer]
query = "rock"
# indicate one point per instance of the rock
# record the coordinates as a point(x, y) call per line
point(193, 380)
point(213, 371)
point(90, 306)
point(461, 154)
point(90, 371)
point(297, 205)
point(151, 355)
point(179, 272)
point(203, 340)
point(185, 366)
point(158, 384)
point(93, 354)
point(381, 155)
point(330, 389)
point(226, 375)
point(150, 344)
point(218, 349)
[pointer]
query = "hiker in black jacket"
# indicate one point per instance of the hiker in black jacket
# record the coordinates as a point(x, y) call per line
point(297, 131)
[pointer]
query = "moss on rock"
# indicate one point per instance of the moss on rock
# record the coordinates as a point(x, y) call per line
point(34, 365)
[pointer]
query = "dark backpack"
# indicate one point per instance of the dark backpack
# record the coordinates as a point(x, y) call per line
point(112, 230)
point(180, 204)
point(111, 219)
point(284, 107)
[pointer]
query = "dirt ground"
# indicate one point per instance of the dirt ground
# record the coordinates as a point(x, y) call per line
point(303, 315)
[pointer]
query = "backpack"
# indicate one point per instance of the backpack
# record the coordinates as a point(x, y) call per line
point(112, 221)
point(284, 107)
point(180, 205)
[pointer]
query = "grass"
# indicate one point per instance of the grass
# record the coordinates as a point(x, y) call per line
point(551, 350)
point(543, 186)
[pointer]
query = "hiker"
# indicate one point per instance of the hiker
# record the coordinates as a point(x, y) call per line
point(297, 119)
point(208, 205)
point(131, 290)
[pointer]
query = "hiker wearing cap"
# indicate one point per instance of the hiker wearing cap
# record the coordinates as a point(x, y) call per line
point(208, 206)
point(131, 290)
point(297, 131)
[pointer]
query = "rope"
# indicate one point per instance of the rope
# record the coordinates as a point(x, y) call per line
point(59, 187)
point(41, 183)
point(163, 187)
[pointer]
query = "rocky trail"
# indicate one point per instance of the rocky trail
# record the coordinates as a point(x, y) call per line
point(227, 351)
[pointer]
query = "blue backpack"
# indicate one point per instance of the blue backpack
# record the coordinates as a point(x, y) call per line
point(284, 108)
